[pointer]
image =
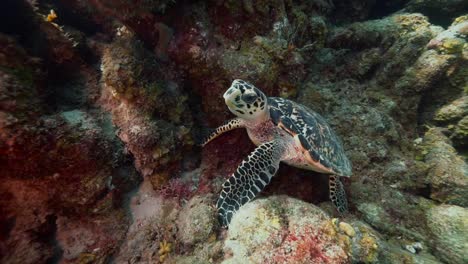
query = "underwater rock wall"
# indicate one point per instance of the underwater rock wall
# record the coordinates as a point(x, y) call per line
point(102, 102)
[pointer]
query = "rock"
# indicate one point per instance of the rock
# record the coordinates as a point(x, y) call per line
point(425, 71)
point(149, 109)
point(448, 225)
point(153, 227)
point(251, 62)
point(453, 111)
point(445, 104)
point(283, 230)
point(355, 10)
point(376, 215)
point(391, 211)
point(24, 211)
point(460, 132)
point(395, 253)
point(197, 220)
point(443, 10)
point(92, 237)
point(207, 252)
point(366, 245)
point(279, 229)
point(347, 228)
point(363, 34)
point(448, 172)
point(414, 247)
point(54, 164)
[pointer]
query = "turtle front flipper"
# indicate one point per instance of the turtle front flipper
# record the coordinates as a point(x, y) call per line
point(254, 173)
point(338, 194)
point(227, 126)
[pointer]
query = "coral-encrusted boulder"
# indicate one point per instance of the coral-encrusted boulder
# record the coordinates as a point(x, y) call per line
point(152, 227)
point(92, 238)
point(460, 132)
point(283, 230)
point(455, 110)
point(448, 171)
point(149, 109)
point(196, 221)
point(24, 217)
point(455, 117)
point(448, 225)
point(279, 229)
point(441, 10)
point(54, 165)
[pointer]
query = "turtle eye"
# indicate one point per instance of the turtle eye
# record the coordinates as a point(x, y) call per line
point(249, 98)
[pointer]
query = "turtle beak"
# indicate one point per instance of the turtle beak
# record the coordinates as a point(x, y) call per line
point(229, 96)
point(229, 104)
point(229, 93)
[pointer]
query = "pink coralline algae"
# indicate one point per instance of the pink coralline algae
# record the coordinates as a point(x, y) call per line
point(177, 188)
point(305, 247)
point(284, 230)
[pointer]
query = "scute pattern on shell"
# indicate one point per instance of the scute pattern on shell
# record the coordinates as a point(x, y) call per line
point(321, 139)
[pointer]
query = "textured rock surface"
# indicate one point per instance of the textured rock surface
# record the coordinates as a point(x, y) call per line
point(149, 109)
point(195, 221)
point(153, 225)
point(448, 225)
point(281, 229)
point(62, 165)
point(448, 171)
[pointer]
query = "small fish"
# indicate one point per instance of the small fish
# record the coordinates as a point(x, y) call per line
point(51, 16)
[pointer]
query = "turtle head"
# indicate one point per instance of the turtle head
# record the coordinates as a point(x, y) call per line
point(245, 100)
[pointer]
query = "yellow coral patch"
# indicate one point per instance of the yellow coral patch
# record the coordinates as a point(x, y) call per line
point(85, 258)
point(345, 242)
point(212, 238)
point(264, 217)
point(370, 247)
point(51, 16)
point(329, 227)
point(164, 250)
point(266, 223)
point(347, 229)
point(460, 19)
point(158, 179)
point(451, 46)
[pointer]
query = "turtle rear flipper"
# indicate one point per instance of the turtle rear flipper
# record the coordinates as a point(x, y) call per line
point(338, 194)
point(254, 173)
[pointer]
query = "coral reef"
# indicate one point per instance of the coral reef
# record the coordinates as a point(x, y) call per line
point(102, 101)
point(283, 230)
point(149, 109)
point(195, 221)
point(150, 236)
point(286, 230)
point(162, 231)
point(60, 163)
point(447, 224)
point(447, 170)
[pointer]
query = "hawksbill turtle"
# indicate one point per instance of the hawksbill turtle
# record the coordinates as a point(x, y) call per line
point(283, 131)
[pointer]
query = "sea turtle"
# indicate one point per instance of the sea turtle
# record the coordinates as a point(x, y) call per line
point(283, 131)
